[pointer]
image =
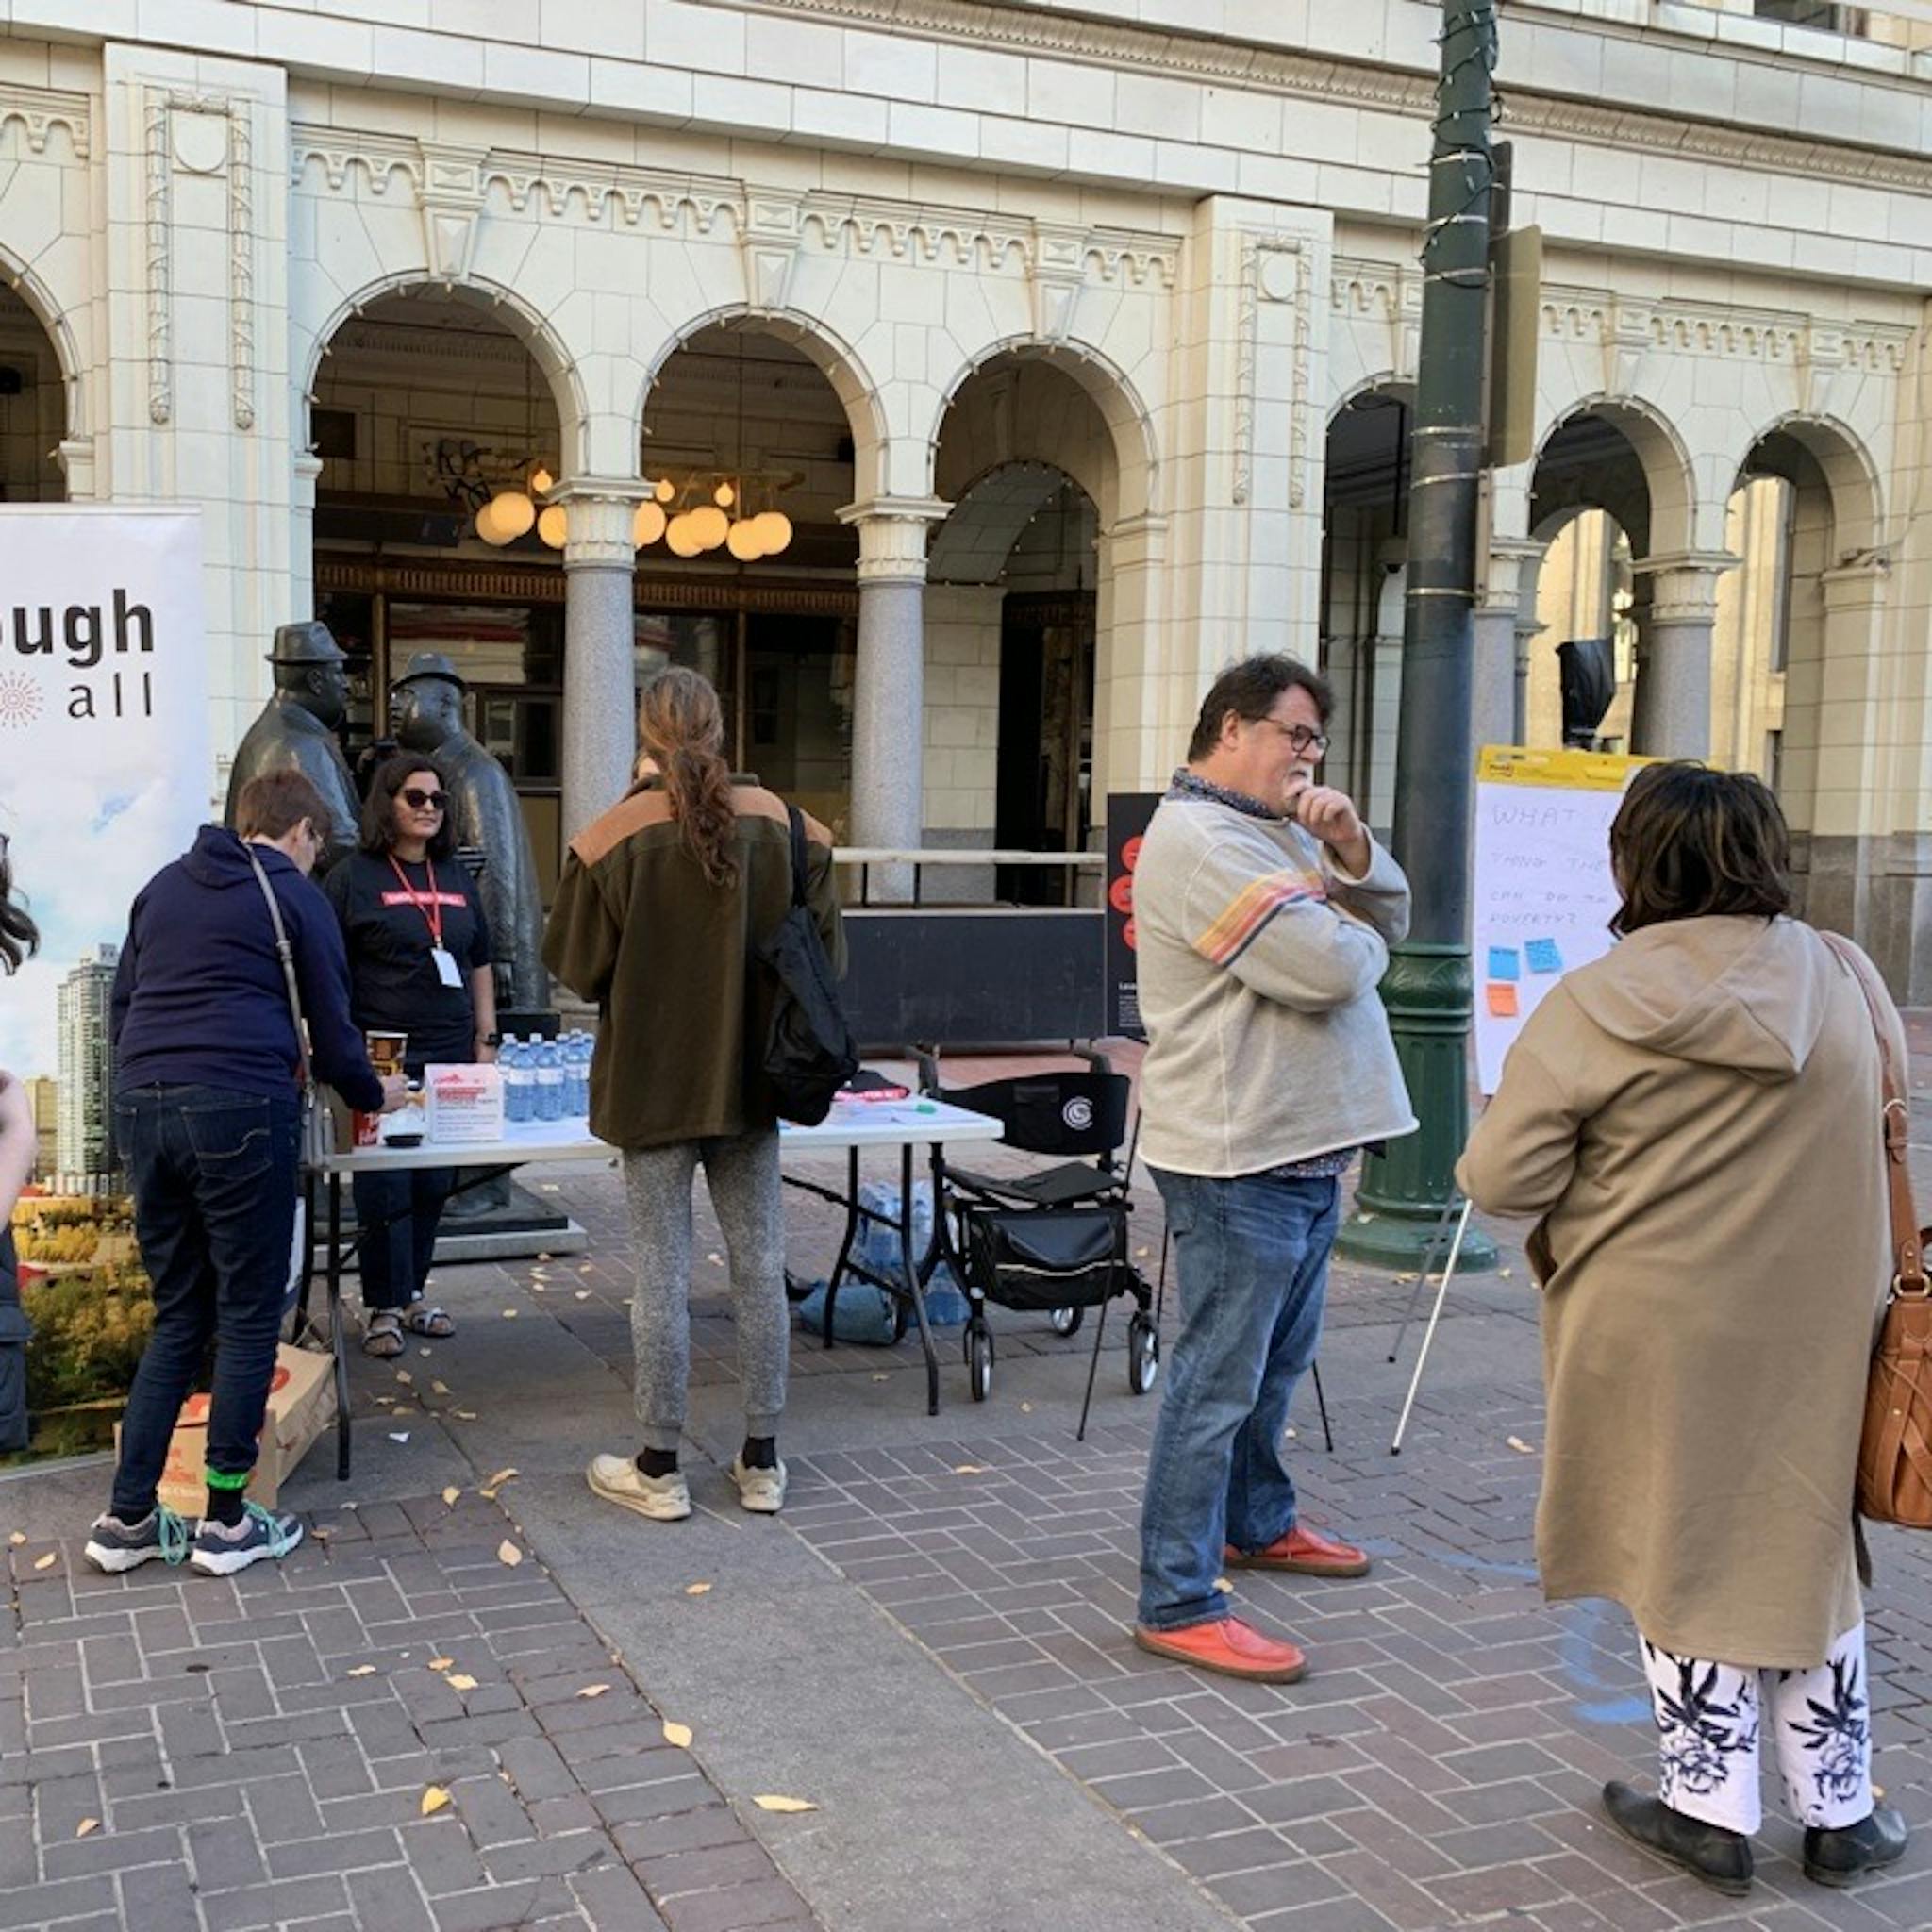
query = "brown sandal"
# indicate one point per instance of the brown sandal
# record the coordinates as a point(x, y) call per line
point(383, 1338)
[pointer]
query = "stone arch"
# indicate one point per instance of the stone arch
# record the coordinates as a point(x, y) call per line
point(1133, 489)
point(1670, 474)
point(1848, 472)
point(55, 324)
point(837, 360)
point(988, 515)
point(551, 353)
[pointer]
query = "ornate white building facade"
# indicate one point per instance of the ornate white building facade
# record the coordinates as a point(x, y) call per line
point(1076, 347)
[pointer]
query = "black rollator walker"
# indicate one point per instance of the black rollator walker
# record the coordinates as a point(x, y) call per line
point(1053, 1241)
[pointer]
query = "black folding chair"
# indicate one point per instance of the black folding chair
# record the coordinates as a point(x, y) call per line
point(1054, 1240)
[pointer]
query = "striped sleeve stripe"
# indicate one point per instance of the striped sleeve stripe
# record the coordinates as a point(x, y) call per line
point(1250, 909)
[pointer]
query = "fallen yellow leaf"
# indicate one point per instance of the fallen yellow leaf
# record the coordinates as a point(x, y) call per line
point(969, 1469)
point(86, 1825)
point(677, 1734)
point(1224, 1586)
point(543, 1258)
point(583, 1294)
point(441, 1663)
point(1503, 1274)
point(593, 1689)
point(502, 1476)
point(439, 1387)
point(464, 1415)
point(697, 1589)
point(772, 1804)
point(17, 1538)
point(1521, 1448)
point(47, 1561)
point(363, 1671)
point(404, 1376)
point(457, 1680)
point(1025, 1408)
point(507, 1552)
point(510, 1314)
point(450, 1495)
point(434, 1799)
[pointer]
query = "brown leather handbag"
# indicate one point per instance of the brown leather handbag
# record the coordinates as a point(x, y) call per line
point(1896, 1452)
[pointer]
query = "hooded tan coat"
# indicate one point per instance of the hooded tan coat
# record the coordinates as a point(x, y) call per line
point(1694, 1121)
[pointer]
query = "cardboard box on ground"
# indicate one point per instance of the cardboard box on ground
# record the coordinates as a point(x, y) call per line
point(301, 1404)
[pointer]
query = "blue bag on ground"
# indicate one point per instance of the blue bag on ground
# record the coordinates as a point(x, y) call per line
point(864, 1313)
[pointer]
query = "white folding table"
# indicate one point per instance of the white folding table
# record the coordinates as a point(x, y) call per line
point(852, 1128)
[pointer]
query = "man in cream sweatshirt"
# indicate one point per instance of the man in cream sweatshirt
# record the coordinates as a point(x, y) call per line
point(1264, 912)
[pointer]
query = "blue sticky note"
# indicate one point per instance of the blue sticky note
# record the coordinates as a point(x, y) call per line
point(1504, 963)
point(1544, 957)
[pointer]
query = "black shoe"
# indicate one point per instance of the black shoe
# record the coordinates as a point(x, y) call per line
point(1722, 1859)
point(1837, 1856)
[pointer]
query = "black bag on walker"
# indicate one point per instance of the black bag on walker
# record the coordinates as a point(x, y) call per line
point(1046, 1259)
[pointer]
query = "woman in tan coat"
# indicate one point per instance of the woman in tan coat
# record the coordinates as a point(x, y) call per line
point(1694, 1122)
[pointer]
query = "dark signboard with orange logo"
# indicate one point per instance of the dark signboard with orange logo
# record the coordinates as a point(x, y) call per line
point(1127, 817)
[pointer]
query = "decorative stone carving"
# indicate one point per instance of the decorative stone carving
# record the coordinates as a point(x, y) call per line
point(451, 198)
point(769, 236)
point(39, 109)
point(1276, 268)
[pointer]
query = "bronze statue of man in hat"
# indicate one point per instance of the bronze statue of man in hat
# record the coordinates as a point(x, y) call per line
point(298, 729)
point(427, 715)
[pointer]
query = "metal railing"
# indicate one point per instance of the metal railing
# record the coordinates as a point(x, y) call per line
point(865, 858)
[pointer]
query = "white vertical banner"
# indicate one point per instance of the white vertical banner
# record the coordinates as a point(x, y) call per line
point(103, 754)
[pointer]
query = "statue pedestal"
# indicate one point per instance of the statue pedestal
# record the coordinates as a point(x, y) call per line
point(524, 1227)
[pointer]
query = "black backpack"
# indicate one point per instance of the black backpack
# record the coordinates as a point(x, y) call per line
point(808, 1052)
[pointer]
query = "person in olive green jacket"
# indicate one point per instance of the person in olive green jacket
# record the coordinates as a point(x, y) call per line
point(663, 903)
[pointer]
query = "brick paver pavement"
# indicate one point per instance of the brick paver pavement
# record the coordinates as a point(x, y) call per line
point(189, 1754)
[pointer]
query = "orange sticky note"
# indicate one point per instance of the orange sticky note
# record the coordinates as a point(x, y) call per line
point(1503, 999)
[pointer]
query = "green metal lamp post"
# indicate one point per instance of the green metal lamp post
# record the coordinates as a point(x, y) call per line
point(1429, 987)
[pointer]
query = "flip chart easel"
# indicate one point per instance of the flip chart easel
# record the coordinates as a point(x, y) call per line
point(1543, 901)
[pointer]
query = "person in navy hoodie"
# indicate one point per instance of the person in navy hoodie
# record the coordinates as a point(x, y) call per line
point(206, 1119)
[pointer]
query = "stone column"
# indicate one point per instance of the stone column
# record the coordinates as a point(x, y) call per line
point(1671, 714)
point(889, 694)
point(1501, 649)
point(599, 689)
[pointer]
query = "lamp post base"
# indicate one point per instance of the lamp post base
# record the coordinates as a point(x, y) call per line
point(1430, 992)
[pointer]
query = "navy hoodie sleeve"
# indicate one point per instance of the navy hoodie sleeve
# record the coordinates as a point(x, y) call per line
point(321, 974)
point(123, 996)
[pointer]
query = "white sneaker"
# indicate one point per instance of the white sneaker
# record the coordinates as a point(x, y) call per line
point(618, 1480)
point(761, 1490)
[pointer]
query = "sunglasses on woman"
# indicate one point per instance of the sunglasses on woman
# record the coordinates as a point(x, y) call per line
point(419, 800)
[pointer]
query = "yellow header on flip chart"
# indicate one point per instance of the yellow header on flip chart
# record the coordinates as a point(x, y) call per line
point(1572, 771)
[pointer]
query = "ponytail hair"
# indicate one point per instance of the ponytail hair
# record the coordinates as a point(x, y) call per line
point(681, 730)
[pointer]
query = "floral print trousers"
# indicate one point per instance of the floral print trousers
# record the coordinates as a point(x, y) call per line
point(1710, 1718)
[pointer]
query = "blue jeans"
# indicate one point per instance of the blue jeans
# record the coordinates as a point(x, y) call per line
point(1253, 1260)
point(213, 1177)
point(402, 1209)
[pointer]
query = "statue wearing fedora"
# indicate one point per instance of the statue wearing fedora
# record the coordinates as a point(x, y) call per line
point(298, 729)
point(427, 715)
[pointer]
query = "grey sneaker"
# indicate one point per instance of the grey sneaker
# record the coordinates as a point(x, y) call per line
point(618, 1480)
point(114, 1546)
point(220, 1551)
point(761, 1490)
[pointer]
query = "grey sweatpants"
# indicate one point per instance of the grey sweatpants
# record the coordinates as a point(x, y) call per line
point(742, 1176)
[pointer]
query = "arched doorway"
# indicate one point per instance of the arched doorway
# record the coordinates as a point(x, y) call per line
point(1016, 651)
point(426, 403)
point(33, 407)
point(1364, 557)
point(1576, 614)
point(744, 423)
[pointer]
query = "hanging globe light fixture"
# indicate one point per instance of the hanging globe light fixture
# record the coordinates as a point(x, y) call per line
point(554, 526)
point(680, 537)
point(725, 496)
point(710, 525)
point(742, 541)
point(774, 531)
point(646, 526)
point(665, 490)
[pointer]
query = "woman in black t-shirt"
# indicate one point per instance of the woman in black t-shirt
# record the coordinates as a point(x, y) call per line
point(419, 963)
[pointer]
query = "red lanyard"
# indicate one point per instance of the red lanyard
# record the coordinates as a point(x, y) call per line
point(430, 908)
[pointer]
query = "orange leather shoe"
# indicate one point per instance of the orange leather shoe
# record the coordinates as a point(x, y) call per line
point(1305, 1552)
point(1229, 1646)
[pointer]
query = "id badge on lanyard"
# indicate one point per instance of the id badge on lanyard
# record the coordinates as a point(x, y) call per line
point(447, 970)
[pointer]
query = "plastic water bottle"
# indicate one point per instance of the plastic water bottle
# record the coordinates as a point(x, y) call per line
point(578, 1086)
point(549, 1081)
point(517, 1096)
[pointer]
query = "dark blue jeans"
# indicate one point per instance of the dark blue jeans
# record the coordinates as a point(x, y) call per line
point(401, 1209)
point(1253, 1260)
point(213, 1177)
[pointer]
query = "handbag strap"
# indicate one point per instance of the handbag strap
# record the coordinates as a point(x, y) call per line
point(286, 952)
point(1908, 1261)
point(798, 854)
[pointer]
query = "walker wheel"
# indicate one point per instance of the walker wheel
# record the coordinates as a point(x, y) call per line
point(1143, 1355)
point(979, 1361)
point(1066, 1321)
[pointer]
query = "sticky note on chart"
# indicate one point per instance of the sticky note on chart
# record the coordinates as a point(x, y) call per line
point(1503, 1002)
point(1505, 963)
point(1544, 955)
